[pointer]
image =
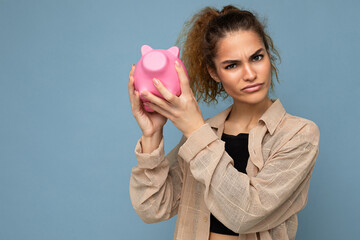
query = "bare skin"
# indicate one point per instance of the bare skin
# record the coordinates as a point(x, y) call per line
point(242, 61)
point(216, 236)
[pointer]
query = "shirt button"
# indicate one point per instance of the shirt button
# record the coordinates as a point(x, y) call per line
point(205, 219)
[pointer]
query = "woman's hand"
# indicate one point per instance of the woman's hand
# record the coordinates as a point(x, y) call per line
point(183, 111)
point(151, 124)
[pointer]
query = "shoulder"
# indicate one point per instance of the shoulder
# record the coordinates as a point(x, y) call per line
point(298, 128)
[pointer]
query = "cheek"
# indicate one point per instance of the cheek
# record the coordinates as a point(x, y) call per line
point(228, 82)
point(229, 79)
point(266, 70)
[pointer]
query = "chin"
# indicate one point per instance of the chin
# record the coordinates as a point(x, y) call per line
point(253, 98)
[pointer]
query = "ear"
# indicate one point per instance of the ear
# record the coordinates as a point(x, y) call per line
point(213, 74)
point(145, 49)
point(175, 51)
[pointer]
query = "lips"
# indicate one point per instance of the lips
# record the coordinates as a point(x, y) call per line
point(252, 87)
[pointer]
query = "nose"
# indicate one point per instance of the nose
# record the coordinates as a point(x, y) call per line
point(155, 62)
point(249, 73)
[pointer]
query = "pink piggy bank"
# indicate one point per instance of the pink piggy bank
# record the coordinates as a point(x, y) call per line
point(160, 64)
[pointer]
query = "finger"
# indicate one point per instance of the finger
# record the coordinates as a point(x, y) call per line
point(131, 73)
point(184, 80)
point(168, 96)
point(158, 109)
point(156, 100)
point(133, 94)
point(131, 82)
point(136, 104)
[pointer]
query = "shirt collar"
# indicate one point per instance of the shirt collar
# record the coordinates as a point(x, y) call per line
point(272, 117)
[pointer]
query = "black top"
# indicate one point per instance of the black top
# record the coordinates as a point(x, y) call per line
point(237, 148)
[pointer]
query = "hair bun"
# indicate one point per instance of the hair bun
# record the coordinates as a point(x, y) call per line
point(228, 9)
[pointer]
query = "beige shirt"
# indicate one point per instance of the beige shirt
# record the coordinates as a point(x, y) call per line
point(198, 177)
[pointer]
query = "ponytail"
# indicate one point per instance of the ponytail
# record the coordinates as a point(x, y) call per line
point(191, 41)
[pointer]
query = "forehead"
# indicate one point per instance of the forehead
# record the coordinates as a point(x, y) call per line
point(239, 44)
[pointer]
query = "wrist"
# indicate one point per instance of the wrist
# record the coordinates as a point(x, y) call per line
point(193, 129)
point(150, 142)
point(152, 135)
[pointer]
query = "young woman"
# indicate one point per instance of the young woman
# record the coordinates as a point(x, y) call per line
point(243, 174)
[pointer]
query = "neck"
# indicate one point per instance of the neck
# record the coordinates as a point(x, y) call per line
point(243, 116)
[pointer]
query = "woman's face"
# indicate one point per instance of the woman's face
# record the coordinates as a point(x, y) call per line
point(243, 67)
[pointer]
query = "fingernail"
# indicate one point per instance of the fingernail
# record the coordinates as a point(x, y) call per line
point(177, 64)
point(156, 82)
point(144, 93)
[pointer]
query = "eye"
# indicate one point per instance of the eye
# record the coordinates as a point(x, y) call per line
point(258, 57)
point(230, 66)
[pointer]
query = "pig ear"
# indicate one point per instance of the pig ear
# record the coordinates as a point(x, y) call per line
point(175, 51)
point(145, 49)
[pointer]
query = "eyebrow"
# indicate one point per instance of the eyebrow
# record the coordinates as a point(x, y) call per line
point(235, 60)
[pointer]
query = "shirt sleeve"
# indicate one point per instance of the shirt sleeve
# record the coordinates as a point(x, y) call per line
point(155, 184)
point(253, 204)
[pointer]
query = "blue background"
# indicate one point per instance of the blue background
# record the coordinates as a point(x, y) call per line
point(67, 134)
